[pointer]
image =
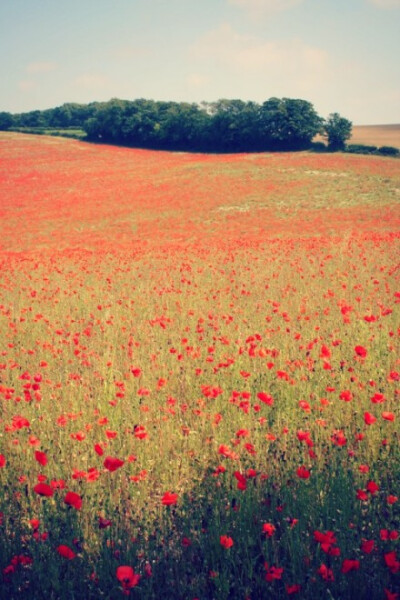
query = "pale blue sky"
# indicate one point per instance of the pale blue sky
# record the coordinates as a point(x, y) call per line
point(341, 55)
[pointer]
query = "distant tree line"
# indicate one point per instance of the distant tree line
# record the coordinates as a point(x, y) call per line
point(222, 126)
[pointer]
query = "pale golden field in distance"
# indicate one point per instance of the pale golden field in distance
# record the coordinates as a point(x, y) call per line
point(376, 135)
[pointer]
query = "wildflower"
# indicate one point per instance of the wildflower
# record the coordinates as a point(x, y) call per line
point(112, 464)
point(386, 535)
point(367, 546)
point(378, 398)
point(241, 481)
point(169, 499)
point(391, 561)
point(325, 573)
point(303, 473)
point(66, 552)
point(226, 541)
point(104, 523)
point(362, 495)
point(293, 589)
point(390, 595)
point(273, 572)
point(43, 489)
point(98, 449)
point(127, 577)
point(388, 416)
point(372, 487)
point(41, 457)
point(350, 565)
point(265, 398)
point(360, 351)
point(73, 499)
point(269, 529)
point(369, 419)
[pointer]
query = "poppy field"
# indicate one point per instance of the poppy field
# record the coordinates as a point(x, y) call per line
point(199, 374)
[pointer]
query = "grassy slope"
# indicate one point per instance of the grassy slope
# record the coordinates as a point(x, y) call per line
point(197, 317)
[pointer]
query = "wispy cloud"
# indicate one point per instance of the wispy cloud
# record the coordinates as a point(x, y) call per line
point(26, 85)
point(91, 81)
point(251, 67)
point(196, 80)
point(130, 52)
point(41, 67)
point(385, 3)
point(250, 54)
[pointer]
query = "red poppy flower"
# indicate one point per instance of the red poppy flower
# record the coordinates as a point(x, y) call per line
point(224, 450)
point(266, 398)
point(19, 422)
point(293, 589)
point(350, 565)
point(73, 499)
point(367, 546)
point(41, 457)
point(66, 552)
point(127, 577)
point(186, 542)
point(325, 352)
point(328, 537)
point(2, 460)
point(241, 481)
point(273, 572)
point(303, 473)
point(112, 464)
point(43, 489)
point(98, 449)
point(140, 432)
point(378, 398)
point(169, 499)
point(372, 487)
point(58, 484)
point(360, 351)
point(226, 541)
point(391, 561)
point(369, 419)
point(325, 573)
point(268, 529)
point(34, 523)
point(362, 495)
point(388, 416)
point(390, 595)
point(385, 534)
point(104, 523)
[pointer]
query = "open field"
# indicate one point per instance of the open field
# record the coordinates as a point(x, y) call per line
point(70, 132)
point(376, 135)
point(199, 374)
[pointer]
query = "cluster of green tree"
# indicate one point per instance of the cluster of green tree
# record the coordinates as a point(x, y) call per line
point(222, 126)
point(67, 116)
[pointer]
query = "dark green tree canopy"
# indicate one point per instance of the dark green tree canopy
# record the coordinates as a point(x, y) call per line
point(288, 123)
point(338, 130)
point(222, 126)
point(6, 121)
